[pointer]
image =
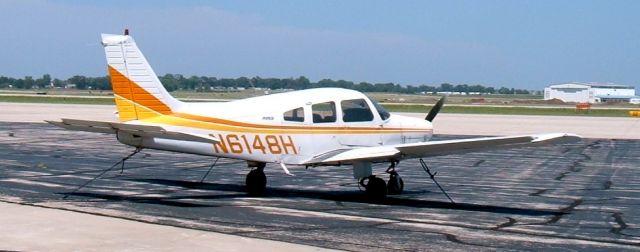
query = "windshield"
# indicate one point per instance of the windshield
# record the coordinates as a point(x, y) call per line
point(383, 113)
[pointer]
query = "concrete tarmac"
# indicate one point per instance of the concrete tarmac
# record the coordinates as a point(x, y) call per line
point(29, 228)
point(562, 197)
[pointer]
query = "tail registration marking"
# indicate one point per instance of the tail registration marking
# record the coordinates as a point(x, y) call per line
point(238, 144)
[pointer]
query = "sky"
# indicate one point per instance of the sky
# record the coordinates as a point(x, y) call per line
point(520, 44)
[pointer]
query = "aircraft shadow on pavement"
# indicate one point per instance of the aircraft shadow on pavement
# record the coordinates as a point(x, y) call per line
point(339, 196)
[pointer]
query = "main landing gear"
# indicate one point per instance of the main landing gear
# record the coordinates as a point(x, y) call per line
point(377, 188)
point(256, 181)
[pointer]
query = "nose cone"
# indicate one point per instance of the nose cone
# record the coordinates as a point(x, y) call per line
point(409, 122)
point(421, 123)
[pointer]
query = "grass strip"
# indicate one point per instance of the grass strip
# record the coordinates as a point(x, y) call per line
point(510, 110)
point(58, 100)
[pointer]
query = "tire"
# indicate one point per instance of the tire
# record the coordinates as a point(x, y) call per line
point(376, 188)
point(256, 182)
point(395, 184)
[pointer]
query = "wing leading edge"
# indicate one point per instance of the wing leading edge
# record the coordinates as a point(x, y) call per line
point(437, 148)
point(136, 129)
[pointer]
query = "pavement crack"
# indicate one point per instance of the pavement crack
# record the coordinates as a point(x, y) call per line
point(476, 164)
point(453, 238)
point(538, 192)
point(617, 217)
point(510, 222)
point(561, 175)
point(566, 210)
point(575, 166)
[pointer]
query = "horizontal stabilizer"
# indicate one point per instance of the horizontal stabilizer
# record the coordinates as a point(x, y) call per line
point(136, 129)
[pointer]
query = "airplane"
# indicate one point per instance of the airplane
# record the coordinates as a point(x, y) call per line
point(305, 128)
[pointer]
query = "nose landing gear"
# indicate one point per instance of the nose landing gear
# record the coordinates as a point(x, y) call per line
point(395, 184)
point(377, 188)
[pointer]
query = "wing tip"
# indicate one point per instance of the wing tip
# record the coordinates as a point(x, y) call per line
point(558, 138)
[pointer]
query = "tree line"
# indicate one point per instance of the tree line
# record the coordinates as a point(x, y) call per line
point(208, 84)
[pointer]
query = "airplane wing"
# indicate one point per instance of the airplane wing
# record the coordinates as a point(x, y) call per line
point(437, 148)
point(136, 129)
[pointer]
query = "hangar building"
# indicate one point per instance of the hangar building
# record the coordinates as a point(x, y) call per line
point(590, 92)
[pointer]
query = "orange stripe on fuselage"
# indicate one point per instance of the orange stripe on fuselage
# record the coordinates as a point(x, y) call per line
point(267, 126)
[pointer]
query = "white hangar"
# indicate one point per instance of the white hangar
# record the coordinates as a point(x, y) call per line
point(590, 92)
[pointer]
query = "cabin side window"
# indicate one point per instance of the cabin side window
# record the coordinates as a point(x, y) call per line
point(294, 115)
point(356, 110)
point(324, 112)
point(384, 115)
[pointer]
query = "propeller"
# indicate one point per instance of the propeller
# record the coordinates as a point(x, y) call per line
point(436, 109)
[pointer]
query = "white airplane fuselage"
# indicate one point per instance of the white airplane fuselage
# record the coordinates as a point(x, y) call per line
point(258, 129)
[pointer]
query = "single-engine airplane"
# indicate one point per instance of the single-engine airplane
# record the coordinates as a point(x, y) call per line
point(313, 127)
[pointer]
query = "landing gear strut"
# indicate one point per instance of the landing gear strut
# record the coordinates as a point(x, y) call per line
point(395, 184)
point(256, 181)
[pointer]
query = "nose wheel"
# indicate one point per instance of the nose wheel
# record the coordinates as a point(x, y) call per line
point(395, 184)
point(256, 181)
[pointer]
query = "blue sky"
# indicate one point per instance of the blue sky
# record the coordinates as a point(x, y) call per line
point(521, 44)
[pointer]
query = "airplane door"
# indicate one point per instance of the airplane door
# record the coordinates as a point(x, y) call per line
point(295, 144)
point(323, 117)
point(358, 119)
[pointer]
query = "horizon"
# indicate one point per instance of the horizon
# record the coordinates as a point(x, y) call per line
point(524, 45)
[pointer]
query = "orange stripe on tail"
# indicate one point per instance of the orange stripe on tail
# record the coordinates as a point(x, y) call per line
point(134, 102)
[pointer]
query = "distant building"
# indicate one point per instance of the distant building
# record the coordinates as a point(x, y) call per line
point(590, 92)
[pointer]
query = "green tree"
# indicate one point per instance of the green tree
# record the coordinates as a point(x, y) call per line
point(79, 81)
point(29, 82)
point(44, 81)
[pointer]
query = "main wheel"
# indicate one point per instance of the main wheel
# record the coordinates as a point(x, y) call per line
point(256, 182)
point(376, 187)
point(395, 184)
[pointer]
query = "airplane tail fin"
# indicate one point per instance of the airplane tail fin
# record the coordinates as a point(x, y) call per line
point(138, 92)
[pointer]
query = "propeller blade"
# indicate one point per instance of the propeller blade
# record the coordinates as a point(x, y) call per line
point(436, 108)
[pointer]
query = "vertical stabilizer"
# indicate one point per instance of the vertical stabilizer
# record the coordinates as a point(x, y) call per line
point(137, 89)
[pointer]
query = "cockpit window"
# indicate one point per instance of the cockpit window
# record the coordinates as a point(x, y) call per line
point(294, 115)
point(384, 115)
point(324, 112)
point(356, 111)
